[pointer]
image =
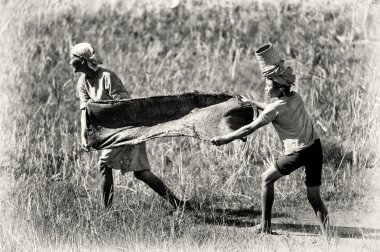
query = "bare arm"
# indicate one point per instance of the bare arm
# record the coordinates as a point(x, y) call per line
point(238, 134)
point(84, 98)
point(83, 129)
point(260, 105)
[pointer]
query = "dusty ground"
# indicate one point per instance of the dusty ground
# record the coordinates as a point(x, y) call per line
point(357, 230)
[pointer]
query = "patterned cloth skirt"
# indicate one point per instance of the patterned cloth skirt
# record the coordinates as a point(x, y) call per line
point(125, 158)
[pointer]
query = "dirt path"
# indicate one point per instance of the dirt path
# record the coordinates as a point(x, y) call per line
point(348, 224)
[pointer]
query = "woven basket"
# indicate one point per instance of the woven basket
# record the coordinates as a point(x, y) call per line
point(268, 58)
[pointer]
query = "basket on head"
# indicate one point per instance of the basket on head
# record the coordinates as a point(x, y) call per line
point(268, 58)
point(272, 66)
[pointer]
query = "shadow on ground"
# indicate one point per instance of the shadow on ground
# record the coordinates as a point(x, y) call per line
point(231, 217)
point(338, 231)
point(281, 222)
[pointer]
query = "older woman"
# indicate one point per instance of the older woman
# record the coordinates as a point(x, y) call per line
point(96, 84)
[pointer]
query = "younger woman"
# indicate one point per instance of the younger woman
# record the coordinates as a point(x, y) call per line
point(295, 129)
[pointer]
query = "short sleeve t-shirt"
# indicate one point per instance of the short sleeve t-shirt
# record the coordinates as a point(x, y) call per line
point(104, 85)
point(291, 121)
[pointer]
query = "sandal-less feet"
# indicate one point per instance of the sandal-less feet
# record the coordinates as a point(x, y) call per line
point(189, 205)
point(258, 229)
point(182, 206)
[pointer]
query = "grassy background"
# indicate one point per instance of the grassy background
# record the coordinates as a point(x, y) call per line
point(50, 187)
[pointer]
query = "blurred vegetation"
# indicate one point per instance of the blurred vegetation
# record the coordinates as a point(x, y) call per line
point(191, 46)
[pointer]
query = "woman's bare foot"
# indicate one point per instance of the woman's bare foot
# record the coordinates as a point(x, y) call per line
point(258, 229)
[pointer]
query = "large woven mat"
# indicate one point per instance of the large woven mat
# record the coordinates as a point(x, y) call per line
point(133, 121)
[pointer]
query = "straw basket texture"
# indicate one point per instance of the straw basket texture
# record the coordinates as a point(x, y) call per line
point(272, 66)
point(133, 121)
point(268, 58)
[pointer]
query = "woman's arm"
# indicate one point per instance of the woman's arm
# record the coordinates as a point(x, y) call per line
point(238, 134)
point(260, 105)
point(83, 129)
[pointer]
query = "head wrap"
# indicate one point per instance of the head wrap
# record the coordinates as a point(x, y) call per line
point(272, 66)
point(87, 52)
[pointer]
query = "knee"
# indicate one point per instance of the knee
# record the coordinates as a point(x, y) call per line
point(314, 199)
point(265, 180)
point(105, 170)
point(106, 173)
point(141, 175)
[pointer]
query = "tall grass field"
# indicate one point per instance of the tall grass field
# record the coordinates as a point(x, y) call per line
point(49, 187)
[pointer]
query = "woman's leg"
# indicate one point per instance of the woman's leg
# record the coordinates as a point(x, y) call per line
point(106, 185)
point(158, 186)
point(267, 197)
point(320, 210)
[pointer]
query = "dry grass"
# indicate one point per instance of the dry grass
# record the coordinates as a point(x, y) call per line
point(50, 198)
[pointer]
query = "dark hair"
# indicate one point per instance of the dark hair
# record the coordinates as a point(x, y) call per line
point(279, 85)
